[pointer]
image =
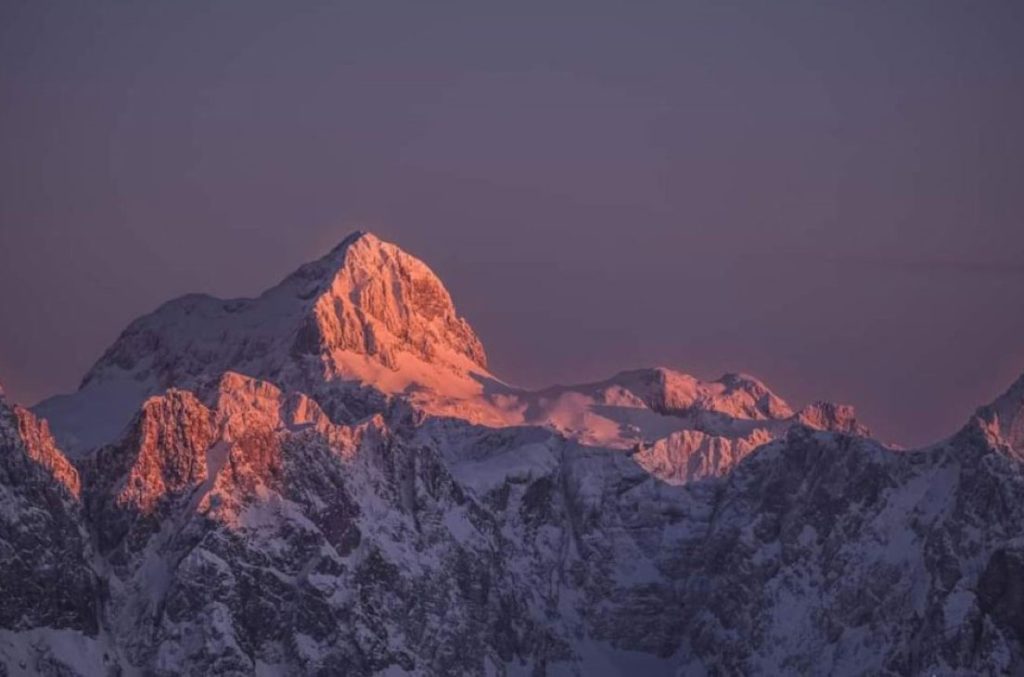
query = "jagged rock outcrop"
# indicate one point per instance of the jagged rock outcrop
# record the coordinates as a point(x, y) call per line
point(137, 484)
point(832, 554)
point(680, 428)
point(46, 575)
point(833, 417)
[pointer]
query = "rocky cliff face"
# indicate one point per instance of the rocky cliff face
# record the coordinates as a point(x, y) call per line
point(277, 505)
point(46, 574)
point(366, 297)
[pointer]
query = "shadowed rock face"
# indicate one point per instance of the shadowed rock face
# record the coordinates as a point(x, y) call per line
point(293, 522)
point(436, 546)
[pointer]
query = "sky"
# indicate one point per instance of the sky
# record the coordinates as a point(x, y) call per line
point(829, 196)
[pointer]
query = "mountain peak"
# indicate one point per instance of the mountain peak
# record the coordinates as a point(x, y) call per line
point(365, 301)
point(1013, 398)
point(357, 235)
point(372, 298)
point(834, 417)
point(367, 313)
point(674, 393)
point(331, 262)
point(737, 395)
point(1003, 419)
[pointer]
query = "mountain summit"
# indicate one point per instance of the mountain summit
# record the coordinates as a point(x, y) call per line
point(365, 315)
point(371, 298)
point(1002, 421)
point(367, 299)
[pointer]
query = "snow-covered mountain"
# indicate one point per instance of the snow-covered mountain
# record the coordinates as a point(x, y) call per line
point(327, 479)
point(367, 316)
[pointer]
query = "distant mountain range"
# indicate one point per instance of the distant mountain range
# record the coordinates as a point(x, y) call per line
point(328, 480)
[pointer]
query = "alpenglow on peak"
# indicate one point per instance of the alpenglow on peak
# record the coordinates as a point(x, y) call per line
point(366, 313)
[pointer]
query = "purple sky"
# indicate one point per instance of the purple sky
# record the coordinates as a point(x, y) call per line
point(828, 196)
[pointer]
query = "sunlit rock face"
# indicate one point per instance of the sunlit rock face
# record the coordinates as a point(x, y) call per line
point(679, 428)
point(373, 299)
point(41, 449)
point(834, 417)
point(366, 298)
point(135, 485)
point(365, 322)
point(327, 480)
